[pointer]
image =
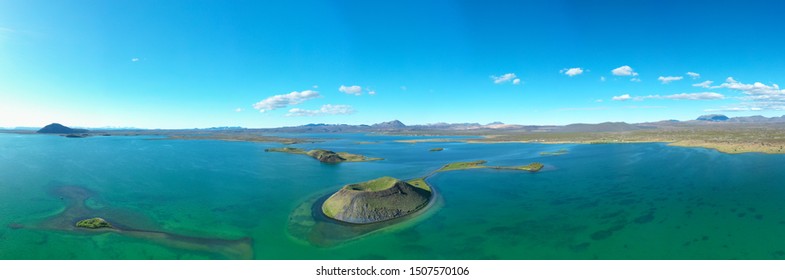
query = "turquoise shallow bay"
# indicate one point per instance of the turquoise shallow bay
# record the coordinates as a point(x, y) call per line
point(613, 201)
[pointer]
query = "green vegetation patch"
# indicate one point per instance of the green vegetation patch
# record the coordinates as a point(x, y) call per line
point(379, 184)
point(556, 153)
point(462, 165)
point(355, 157)
point(437, 149)
point(420, 184)
point(93, 223)
point(533, 167)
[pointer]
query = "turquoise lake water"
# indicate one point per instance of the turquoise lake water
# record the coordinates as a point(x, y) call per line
point(226, 200)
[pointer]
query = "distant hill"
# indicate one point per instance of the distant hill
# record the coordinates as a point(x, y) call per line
point(57, 128)
point(600, 127)
point(713, 118)
point(396, 124)
point(757, 119)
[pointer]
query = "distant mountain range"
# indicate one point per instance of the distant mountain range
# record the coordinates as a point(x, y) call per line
point(468, 128)
point(750, 119)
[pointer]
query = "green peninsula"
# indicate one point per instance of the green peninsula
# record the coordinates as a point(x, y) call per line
point(378, 200)
point(324, 155)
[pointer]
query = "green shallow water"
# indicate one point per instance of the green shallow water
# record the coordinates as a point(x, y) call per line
point(615, 201)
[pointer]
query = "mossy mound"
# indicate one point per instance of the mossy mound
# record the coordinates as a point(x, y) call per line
point(94, 223)
point(377, 200)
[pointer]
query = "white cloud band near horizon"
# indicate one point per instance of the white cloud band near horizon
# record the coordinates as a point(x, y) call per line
point(283, 100)
point(678, 96)
point(327, 109)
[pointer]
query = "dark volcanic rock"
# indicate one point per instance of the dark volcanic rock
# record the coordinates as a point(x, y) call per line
point(326, 156)
point(57, 128)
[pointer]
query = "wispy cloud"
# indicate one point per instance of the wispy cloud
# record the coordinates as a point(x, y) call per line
point(669, 79)
point(356, 90)
point(625, 70)
point(328, 109)
point(572, 72)
point(135, 59)
point(623, 97)
point(694, 75)
point(238, 110)
point(283, 100)
point(734, 109)
point(691, 96)
point(602, 78)
point(679, 96)
point(644, 107)
point(758, 96)
point(755, 89)
point(584, 109)
point(704, 84)
point(506, 78)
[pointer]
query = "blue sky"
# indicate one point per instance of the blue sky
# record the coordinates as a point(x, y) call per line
point(186, 64)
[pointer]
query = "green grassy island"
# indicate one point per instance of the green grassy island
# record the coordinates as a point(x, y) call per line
point(377, 200)
point(93, 223)
point(324, 155)
point(437, 149)
point(556, 153)
point(532, 167)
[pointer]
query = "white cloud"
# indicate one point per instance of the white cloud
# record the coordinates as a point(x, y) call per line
point(516, 82)
point(598, 100)
point(328, 109)
point(679, 96)
point(371, 92)
point(315, 86)
point(694, 75)
point(625, 70)
point(238, 110)
point(623, 97)
point(755, 89)
point(283, 100)
point(572, 72)
point(356, 90)
point(602, 78)
point(668, 79)
point(135, 59)
point(695, 96)
point(759, 96)
point(635, 79)
point(509, 77)
point(704, 84)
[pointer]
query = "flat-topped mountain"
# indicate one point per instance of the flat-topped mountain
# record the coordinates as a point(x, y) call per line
point(56, 128)
point(713, 118)
point(377, 200)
